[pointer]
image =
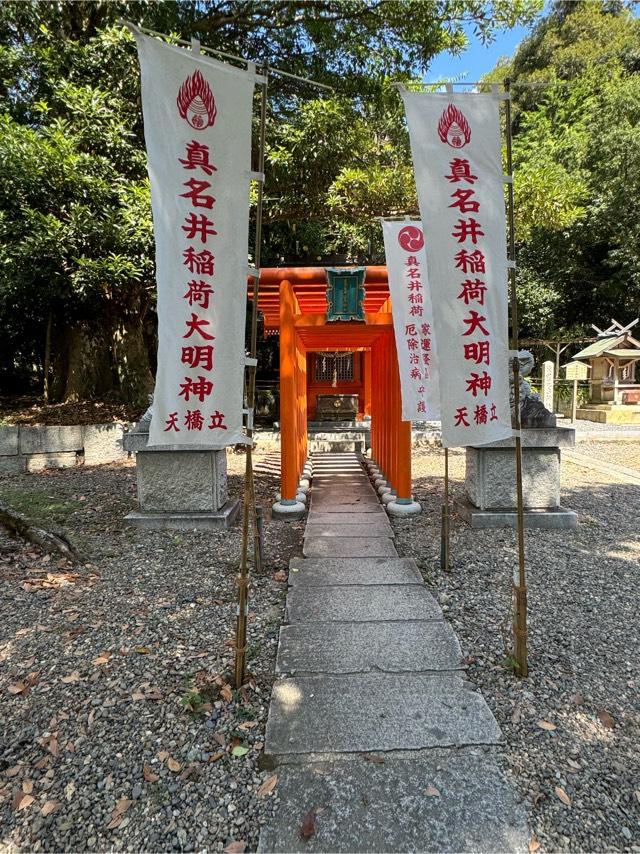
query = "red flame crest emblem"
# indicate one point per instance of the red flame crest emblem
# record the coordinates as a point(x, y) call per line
point(196, 103)
point(411, 238)
point(453, 128)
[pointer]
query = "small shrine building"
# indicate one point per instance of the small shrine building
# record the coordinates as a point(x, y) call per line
point(612, 358)
point(337, 352)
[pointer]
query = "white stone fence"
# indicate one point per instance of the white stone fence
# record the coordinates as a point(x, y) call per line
point(35, 448)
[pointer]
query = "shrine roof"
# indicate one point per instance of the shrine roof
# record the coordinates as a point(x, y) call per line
point(598, 347)
point(310, 287)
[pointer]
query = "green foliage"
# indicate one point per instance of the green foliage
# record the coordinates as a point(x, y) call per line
point(76, 248)
point(576, 89)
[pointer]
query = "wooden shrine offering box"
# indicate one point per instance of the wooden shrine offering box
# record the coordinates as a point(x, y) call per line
point(337, 407)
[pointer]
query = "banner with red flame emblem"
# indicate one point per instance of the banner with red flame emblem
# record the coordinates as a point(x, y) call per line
point(455, 141)
point(197, 124)
point(412, 319)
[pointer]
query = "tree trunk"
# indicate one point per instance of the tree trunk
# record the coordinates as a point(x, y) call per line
point(131, 359)
point(47, 358)
point(88, 365)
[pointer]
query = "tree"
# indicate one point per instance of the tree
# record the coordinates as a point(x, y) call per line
point(576, 98)
point(76, 254)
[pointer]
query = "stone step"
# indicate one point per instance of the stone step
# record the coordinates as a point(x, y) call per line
point(323, 572)
point(364, 806)
point(315, 445)
point(410, 646)
point(365, 505)
point(379, 528)
point(376, 712)
point(352, 520)
point(361, 603)
point(349, 547)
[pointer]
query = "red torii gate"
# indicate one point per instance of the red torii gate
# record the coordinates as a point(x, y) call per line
point(293, 299)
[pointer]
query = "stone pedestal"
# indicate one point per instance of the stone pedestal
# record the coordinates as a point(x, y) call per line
point(179, 488)
point(491, 482)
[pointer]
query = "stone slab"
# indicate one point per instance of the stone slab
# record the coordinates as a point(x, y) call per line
point(409, 646)
point(376, 711)
point(352, 520)
point(540, 437)
point(323, 572)
point(490, 479)
point(8, 441)
point(103, 444)
point(377, 528)
point(50, 440)
point(361, 603)
point(12, 465)
point(354, 503)
point(318, 505)
point(38, 462)
point(213, 521)
point(349, 547)
point(371, 807)
point(183, 481)
point(554, 518)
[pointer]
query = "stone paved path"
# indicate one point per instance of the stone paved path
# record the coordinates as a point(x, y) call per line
point(372, 725)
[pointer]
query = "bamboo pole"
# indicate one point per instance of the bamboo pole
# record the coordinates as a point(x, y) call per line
point(444, 535)
point(520, 581)
point(249, 492)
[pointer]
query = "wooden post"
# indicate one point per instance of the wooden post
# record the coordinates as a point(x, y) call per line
point(574, 401)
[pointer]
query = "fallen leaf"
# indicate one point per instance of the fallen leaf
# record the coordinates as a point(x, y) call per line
point(162, 755)
point(173, 765)
point(22, 801)
point(564, 797)
point(153, 695)
point(32, 678)
point(308, 826)
point(432, 792)
point(605, 719)
point(280, 575)
point(122, 805)
point(369, 757)
point(102, 659)
point(137, 696)
point(147, 773)
point(53, 746)
point(516, 715)
point(27, 787)
point(236, 847)
point(69, 790)
point(248, 725)
point(533, 845)
point(49, 807)
point(268, 786)
point(226, 693)
point(219, 738)
point(17, 688)
point(577, 699)
point(143, 650)
point(546, 725)
point(72, 677)
point(217, 755)
point(239, 750)
point(13, 771)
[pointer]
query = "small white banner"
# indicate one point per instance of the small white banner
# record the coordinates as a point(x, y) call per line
point(197, 122)
point(455, 141)
point(412, 319)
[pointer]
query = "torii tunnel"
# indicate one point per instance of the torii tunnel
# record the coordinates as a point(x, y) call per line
point(293, 300)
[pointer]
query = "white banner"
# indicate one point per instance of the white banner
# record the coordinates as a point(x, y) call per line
point(412, 319)
point(455, 141)
point(197, 122)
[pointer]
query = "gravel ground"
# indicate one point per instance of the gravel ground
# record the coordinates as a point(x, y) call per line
point(572, 728)
point(120, 730)
point(619, 453)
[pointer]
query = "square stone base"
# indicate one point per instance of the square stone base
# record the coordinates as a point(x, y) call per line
point(210, 521)
point(552, 518)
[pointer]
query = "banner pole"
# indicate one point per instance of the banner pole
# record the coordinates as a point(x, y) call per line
point(249, 487)
point(519, 581)
point(444, 539)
